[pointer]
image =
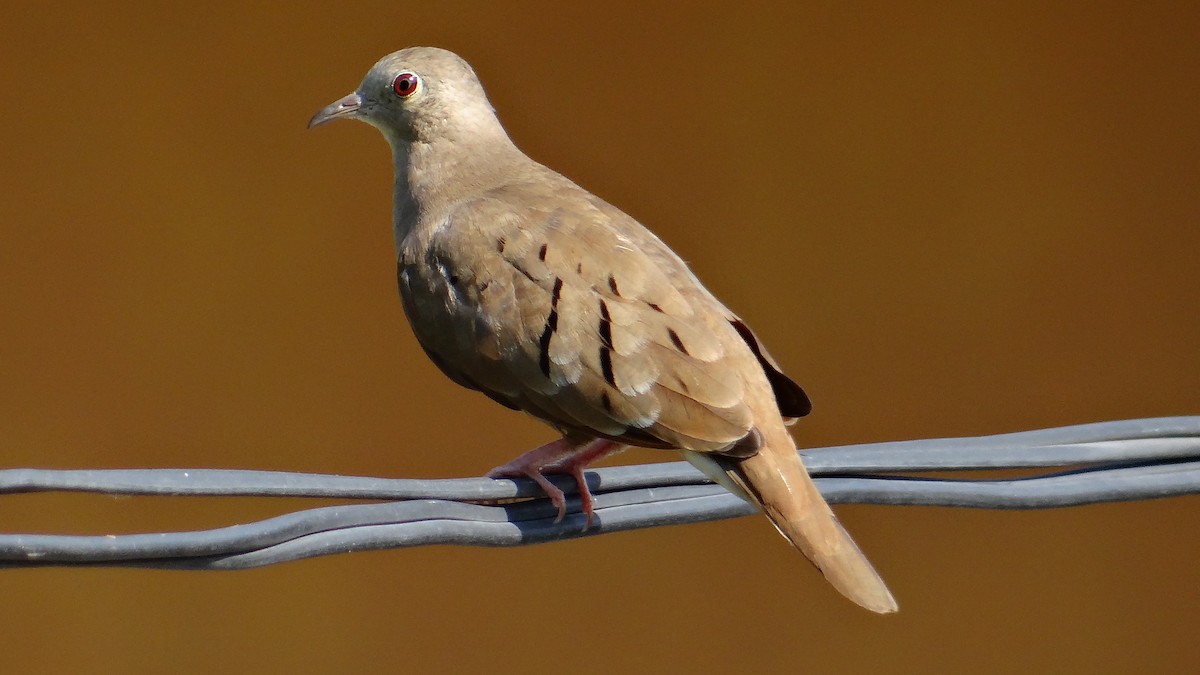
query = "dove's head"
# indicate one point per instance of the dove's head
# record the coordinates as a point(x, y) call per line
point(418, 94)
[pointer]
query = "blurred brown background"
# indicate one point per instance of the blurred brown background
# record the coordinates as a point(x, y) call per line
point(942, 220)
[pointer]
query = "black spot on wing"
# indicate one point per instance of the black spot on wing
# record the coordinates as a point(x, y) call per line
point(544, 349)
point(606, 402)
point(677, 342)
point(606, 366)
point(542, 253)
point(548, 331)
point(605, 325)
point(606, 345)
point(612, 286)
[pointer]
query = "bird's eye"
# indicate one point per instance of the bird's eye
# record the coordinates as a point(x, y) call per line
point(405, 84)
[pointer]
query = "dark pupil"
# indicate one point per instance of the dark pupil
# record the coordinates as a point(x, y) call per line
point(405, 84)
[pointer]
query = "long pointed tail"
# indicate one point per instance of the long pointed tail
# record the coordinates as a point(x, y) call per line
point(776, 481)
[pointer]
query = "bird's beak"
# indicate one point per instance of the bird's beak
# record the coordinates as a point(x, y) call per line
point(344, 107)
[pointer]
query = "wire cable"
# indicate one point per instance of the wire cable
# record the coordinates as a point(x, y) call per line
point(1091, 463)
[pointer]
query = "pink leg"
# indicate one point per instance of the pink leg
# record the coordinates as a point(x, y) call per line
point(530, 465)
point(559, 456)
point(576, 462)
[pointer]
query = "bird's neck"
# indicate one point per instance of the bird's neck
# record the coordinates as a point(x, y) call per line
point(404, 202)
point(431, 177)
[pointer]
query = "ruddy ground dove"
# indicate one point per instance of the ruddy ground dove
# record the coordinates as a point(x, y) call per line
point(524, 286)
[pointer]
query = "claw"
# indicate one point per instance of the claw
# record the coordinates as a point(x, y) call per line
point(560, 456)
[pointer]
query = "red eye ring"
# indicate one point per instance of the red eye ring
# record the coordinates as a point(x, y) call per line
point(405, 84)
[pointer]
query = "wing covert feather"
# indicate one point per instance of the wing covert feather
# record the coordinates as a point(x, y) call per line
point(578, 318)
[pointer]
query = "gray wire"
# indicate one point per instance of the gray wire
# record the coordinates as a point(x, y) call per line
point(1110, 461)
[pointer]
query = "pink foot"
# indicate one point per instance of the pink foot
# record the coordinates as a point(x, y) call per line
point(530, 465)
point(574, 464)
point(559, 456)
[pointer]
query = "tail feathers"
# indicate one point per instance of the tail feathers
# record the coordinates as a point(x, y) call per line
point(776, 481)
point(842, 562)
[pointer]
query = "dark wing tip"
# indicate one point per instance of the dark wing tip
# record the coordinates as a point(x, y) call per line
point(790, 398)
